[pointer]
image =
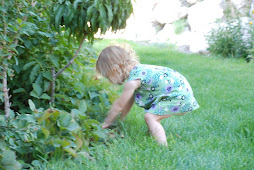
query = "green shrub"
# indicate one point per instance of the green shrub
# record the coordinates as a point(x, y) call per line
point(93, 95)
point(50, 133)
point(250, 57)
point(231, 40)
point(8, 158)
point(40, 48)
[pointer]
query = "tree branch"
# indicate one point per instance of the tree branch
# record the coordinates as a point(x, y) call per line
point(5, 26)
point(53, 85)
point(54, 75)
point(7, 104)
point(71, 61)
point(6, 94)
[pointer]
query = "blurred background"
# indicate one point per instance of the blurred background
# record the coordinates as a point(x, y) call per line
point(185, 23)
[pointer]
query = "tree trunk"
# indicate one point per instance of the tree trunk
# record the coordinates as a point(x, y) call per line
point(7, 103)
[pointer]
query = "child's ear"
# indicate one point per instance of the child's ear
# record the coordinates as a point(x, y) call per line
point(117, 69)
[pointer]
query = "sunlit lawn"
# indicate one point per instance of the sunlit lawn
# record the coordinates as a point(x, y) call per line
point(219, 135)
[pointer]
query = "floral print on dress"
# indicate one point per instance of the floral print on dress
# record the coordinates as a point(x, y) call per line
point(163, 90)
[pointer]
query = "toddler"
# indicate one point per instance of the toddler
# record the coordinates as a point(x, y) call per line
point(161, 91)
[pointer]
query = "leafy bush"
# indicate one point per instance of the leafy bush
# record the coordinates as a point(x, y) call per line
point(7, 158)
point(51, 132)
point(39, 49)
point(250, 57)
point(31, 49)
point(92, 94)
point(231, 39)
point(85, 18)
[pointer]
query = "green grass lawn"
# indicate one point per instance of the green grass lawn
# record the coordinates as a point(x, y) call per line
point(219, 135)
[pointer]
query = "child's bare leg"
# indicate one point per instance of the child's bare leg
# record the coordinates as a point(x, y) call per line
point(155, 127)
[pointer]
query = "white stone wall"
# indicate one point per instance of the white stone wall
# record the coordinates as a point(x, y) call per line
point(153, 21)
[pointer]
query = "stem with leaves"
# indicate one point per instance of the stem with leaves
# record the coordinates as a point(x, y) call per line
point(7, 103)
point(54, 74)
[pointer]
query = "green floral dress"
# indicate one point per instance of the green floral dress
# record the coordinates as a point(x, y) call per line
point(163, 90)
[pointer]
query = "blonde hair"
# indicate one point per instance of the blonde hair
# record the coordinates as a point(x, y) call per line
point(115, 57)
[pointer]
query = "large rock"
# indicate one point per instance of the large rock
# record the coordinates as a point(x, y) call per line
point(192, 2)
point(240, 4)
point(168, 11)
point(203, 14)
point(201, 19)
point(139, 25)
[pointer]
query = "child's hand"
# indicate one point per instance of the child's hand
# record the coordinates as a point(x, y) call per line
point(106, 125)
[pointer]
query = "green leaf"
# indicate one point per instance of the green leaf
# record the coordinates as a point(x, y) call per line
point(35, 41)
point(73, 126)
point(2, 142)
point(19, 90)
point(39, 79)
point(103, 14)
point(46, 132)
point(48, 75)
point(55, 60)
point(81, 20)
point(91, 121)
point(17, 68)
point(3, 9)
point(63, 143)
point(14, 166)
point(57, 143)
point(110, 13)
point(45, 34)
point(103, 18)
point(78, 142)
point(65, 120)
point(90, 11)
point(16, 59)
point(45, 116)
point(77, 112)
point(34, 94)
point(26, 66)
point(46, 85)
point(100, 133)
point(27, 117)
point(9, 157)
point(61, 1)
point(69, 16)
point(82, 106)
point(28, 44)
point(76, 3)
point(21, 50)
point(71, 151)
point(2, 121)
point(45, 96)
point(58, 16)
point(37, 163)
point(31, 105)
point(94, 20)
point(19, 20)
point(38, 89)
point(92, 94)
point(34, 71)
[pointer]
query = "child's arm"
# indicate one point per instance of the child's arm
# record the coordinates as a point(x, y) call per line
point(127, 109)
point(123, 103)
